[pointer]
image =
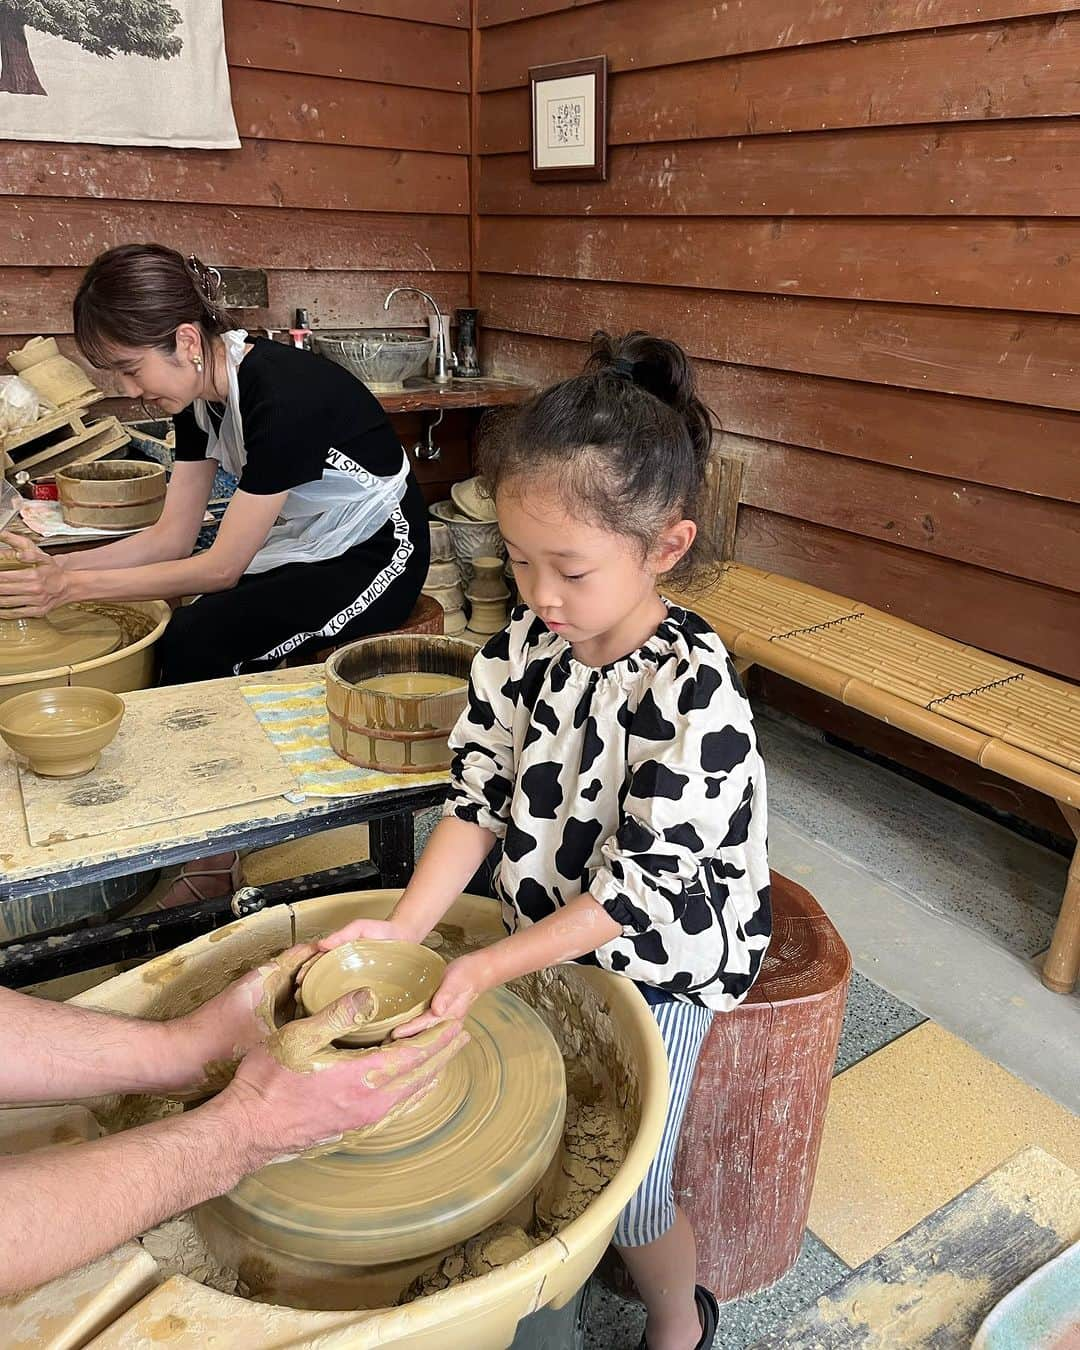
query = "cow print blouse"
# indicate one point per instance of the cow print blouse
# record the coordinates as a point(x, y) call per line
point(639, 782)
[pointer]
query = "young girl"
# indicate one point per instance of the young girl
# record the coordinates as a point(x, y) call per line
point(608, 744)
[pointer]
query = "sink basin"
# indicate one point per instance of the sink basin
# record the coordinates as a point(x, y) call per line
point(384, 358)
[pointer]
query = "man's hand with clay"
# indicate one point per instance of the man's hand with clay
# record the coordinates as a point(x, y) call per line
point(64, 1206)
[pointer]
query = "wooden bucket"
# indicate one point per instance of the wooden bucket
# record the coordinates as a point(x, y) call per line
point(396, 732)
point(111, 494)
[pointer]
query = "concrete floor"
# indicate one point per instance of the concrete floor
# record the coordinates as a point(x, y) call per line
point(946, 914)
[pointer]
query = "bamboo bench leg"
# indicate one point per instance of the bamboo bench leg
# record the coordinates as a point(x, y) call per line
point(1062, 963)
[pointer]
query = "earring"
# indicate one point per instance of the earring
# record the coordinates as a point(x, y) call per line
point(197, 362)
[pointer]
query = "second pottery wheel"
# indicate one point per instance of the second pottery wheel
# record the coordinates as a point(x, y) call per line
point(438, 1173)
point(68, 636)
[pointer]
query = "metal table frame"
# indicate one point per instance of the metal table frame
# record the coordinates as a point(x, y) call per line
point(389, 816)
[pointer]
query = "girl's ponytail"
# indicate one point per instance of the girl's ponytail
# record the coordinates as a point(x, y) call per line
point(664, 370)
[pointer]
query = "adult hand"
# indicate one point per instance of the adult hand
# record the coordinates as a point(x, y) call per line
point(463, 981)
point(213, 1038)
point(32, 591)
point(296, 1092)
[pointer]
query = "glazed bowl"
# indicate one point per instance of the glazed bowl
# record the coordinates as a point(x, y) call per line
point(62, 731)
point(403, 976)
point(382, 358)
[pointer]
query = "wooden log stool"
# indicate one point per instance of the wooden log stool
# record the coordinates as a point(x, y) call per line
point(426, 617)
point(751, 1136)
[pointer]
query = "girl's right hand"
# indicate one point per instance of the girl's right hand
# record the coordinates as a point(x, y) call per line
point(373, 930)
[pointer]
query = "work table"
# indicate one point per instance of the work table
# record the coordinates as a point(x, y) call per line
point(486, 391)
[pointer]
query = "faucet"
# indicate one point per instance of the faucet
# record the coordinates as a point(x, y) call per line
point(444, 358)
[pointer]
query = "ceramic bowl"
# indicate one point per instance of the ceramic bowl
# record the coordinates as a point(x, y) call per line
point(472, 501)
point(403, 976)
point(381, 358)
point(62, 731)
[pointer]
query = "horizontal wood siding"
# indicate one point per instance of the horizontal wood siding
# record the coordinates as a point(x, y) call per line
point(863, 222)
point(352, 176)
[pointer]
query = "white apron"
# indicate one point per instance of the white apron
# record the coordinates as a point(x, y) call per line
point(320, 519)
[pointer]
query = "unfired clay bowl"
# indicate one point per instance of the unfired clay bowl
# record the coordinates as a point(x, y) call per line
point(402, 975)
point(62, 731)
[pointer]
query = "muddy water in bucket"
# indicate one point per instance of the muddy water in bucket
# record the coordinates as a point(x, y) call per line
point(392, 701)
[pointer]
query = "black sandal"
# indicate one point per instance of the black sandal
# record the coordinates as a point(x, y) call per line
point(708, 1311)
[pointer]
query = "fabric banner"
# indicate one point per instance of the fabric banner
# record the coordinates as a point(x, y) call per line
point(115, 72)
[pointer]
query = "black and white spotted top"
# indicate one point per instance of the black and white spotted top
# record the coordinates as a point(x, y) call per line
point(639, 782)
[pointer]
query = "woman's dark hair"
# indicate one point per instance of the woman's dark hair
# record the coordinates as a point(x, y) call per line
point(627, 441)
point(138, 295)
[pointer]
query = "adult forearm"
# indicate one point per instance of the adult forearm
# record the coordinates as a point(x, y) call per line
point(66, 1206)
point(201, 574)
point(50, 1052)
point(137, 550)
point(450, 859)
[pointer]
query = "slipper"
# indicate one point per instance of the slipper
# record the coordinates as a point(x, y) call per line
point(708, 1311)
point(233, 872)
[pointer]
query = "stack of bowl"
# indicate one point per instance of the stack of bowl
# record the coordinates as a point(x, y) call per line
point(443, 582)
point(474, 529)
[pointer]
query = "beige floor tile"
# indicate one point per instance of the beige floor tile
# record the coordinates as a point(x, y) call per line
point(915, 1124)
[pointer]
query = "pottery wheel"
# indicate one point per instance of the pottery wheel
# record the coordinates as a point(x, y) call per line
point(68, 636)
point(432, 1176)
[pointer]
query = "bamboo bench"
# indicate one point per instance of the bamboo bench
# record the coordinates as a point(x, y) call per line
point(1004, 717)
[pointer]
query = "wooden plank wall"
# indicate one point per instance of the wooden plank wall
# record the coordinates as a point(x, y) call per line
point(352, 178)
point(864, 219)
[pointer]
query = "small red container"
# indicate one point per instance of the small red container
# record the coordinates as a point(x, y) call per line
point(45, 490)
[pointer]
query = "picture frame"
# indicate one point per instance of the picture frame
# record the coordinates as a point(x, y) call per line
point(568, 117)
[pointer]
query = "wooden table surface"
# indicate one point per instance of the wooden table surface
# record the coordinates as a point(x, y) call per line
point(27, 870)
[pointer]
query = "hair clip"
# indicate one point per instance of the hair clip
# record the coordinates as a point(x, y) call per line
point(624, 368)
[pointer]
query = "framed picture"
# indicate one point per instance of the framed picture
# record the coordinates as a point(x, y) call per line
point(569, 119)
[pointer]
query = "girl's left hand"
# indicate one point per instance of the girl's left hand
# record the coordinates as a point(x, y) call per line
point(31, 592)
point(464, 981)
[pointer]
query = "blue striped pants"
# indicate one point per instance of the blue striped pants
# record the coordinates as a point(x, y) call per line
point(651, 1209)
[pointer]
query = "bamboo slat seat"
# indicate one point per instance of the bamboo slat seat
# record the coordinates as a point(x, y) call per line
point(1014, 721)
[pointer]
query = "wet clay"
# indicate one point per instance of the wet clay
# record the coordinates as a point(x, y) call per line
point(61, 731)
point(411, 684)
point(603, 1105)
point(67, 636)
point(400, 977)
point(487, 1131)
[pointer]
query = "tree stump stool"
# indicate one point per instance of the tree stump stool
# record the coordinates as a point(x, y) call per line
point(751, 1136)
point(426, 617)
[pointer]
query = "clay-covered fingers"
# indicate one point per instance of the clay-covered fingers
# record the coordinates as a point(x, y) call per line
point(371, 930)
point(299, 1044)
point(281, 977)
point(424, 1022)
point(407, 1067)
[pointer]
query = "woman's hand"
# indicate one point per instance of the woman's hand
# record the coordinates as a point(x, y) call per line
point(32, 591)
point(462, 984)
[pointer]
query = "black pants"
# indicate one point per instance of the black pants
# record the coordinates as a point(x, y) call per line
point(296, 609)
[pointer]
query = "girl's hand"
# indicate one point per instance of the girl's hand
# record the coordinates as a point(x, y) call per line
point(372, 930)
point(464, 981)
point(30, 593)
